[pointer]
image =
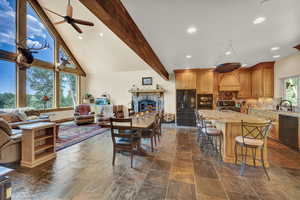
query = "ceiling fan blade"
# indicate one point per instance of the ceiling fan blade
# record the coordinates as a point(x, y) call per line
point(76, 27)
point(54, 12)
point(69, 10)
point(83, 22)
point(60, 22)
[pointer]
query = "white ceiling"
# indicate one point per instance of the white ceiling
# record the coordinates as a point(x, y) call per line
point(164, 24)
point(95, 54)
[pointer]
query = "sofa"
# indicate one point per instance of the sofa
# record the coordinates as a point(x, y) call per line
point(10, 143)
point(21, 116)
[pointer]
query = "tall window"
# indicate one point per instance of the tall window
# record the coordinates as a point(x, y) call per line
point(291, 90)
point(37, 35)
point(7, 84)
point(65, 60)
point(40, 88)
point(68, 94)
point(8, 25)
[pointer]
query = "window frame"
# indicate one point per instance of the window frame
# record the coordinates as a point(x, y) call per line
point(77, 89)
point(16, 80)
point(21, 32)
point(53, 87)
point(283, 90)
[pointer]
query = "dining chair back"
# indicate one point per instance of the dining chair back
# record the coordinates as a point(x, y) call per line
point(123, 136)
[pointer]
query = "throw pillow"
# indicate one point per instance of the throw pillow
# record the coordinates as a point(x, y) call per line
point(33, 117)
point(5, 126)
point(22, 116)
point(32, 113)
point(10, 117)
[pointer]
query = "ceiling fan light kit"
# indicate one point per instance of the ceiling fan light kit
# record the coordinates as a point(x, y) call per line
point(68, 18)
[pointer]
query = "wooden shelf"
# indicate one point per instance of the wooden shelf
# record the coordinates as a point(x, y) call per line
point(42, 137)
point(43, 155)
point(43, 147)
point(38, 143)
point(147, 91)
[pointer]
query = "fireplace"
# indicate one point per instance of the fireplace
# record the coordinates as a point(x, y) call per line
point(145, 105)
point(143, 100)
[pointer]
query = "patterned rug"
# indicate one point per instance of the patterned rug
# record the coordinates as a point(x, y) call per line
point(70, 134)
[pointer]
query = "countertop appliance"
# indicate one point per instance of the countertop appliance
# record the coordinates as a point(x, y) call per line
point(205, 101)
point(227, 105)
point(185, 106)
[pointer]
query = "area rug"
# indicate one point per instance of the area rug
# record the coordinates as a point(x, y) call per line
point(70, 134)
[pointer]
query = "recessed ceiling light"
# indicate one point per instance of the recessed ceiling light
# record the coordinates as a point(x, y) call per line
point(276, 56)
point(227, 53)
point(101, 34)
point(191, 30)
point(244, 65)
point(259, 20)
point(79, 37)
point(188, 56)
point(275, 48)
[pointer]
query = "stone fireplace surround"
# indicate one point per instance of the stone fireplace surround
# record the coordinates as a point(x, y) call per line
point(142, 97)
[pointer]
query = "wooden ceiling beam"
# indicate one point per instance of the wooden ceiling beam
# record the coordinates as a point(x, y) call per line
point(297, 47)
point(115, 16)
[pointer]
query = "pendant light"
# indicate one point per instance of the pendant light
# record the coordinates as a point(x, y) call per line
point(224, 67)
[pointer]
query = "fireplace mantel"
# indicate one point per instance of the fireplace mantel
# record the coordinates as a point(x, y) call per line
point(161, 91)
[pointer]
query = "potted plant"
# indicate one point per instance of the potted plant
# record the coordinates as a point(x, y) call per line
point(88, 98)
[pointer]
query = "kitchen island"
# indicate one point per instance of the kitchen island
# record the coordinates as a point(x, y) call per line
point(229, 123)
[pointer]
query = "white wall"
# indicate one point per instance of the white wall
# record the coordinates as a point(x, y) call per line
point(117, 84)
point(286, 67)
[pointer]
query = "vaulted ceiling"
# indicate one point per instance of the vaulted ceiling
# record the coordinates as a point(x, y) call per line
point(164, 24)
point(99, 50)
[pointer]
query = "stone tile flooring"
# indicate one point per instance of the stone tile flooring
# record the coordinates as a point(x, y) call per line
point(178, 169)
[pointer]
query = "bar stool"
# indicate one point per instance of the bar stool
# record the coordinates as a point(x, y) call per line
point(214, 137)
point(253, 137)
point(199, 124)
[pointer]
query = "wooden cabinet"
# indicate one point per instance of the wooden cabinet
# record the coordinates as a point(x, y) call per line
point(262, 80)
point(256, 80)
point(268, 81)
point(205, 82)
point(245, 83)
point(186, 79)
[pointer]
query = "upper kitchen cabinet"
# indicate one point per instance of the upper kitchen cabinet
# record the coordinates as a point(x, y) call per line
point(186, 79)
point(262, 80)
point(245, 83)
point(205, 81)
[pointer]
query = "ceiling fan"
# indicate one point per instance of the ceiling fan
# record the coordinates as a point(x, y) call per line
point(70, 20)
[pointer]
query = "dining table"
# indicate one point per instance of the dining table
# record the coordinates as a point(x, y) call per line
point(140, 122)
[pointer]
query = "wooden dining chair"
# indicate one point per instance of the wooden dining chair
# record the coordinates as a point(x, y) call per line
point(151, 133)
point(124, 137)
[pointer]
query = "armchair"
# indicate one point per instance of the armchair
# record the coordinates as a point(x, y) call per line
point(10, 143)
point(83, 114)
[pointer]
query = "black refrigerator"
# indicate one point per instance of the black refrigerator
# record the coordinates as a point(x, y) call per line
point(185, 107)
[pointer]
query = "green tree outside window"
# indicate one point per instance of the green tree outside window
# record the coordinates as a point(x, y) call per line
point(68, 91)
point(39, 84)
point(291, 90)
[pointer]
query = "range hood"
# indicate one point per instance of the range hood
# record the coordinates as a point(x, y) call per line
point(229, 82)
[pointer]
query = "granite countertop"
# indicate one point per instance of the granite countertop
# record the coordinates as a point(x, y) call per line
point(293, 114)
point(230, 116)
